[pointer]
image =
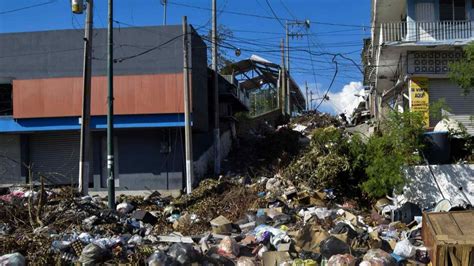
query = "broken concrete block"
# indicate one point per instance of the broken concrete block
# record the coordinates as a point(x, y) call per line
point(221, 225)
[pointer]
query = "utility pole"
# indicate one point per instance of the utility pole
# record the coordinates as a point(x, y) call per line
point(306, 84)
point(283, 79)
point(164, 2)
point(217, 137)
point(187, 115)
point(110, 110)
point(289, 34)
point(311, 100)
point(288, 86)
point(85, 142)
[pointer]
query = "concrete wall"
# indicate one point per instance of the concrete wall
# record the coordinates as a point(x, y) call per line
point(422, 189)
point(199, 84)
point(59, 53)
point(10, 160)
point(206, 160)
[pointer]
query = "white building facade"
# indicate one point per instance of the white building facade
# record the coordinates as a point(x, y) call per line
point(407, 58)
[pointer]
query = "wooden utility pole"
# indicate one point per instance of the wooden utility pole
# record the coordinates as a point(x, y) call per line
point(85, 142)
point(110, 110)
point(217, 136)
point(187, 112)
point(311, 100)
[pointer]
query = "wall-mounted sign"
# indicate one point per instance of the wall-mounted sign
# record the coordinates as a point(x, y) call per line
point(419, 98)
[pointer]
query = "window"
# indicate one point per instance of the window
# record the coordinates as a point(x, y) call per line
point(452, 9)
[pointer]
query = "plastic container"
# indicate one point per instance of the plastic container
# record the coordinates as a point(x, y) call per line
point(437, 148)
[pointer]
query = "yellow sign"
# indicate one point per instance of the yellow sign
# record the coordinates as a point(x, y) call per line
point(419, 98)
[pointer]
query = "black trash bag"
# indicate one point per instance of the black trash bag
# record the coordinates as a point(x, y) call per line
point(406, 214)
point(183, 253)
point(342, 228)
point(93, 254)
point(308, 255)
point(159, 258)
point(333, 246)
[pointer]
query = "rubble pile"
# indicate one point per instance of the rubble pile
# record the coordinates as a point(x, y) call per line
point(268, 221)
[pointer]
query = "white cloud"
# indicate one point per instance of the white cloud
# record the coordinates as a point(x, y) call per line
point(345, 101)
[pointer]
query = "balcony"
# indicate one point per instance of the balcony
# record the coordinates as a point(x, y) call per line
point(435, 31)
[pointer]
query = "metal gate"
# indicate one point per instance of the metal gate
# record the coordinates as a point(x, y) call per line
point(444, 88)
point(55, 156)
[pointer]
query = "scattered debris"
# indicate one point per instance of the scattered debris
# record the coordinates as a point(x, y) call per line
point(304, 210)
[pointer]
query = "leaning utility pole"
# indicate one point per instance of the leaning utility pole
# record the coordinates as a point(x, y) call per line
point(85, 142)
point(217, 137)
point(110, 110)
point(187, 112)
point(306, 84)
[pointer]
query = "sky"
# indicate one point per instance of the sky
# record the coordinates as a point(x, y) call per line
point(257, 26)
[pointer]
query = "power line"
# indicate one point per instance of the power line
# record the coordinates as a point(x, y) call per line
point(287, 9)
point(330, 85)
point(274, 14)
point(312, 67)
point(270, 17)
point(26, 7)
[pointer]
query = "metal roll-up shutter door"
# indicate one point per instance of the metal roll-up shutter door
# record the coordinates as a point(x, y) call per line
point(444, 88)
point(56, 157)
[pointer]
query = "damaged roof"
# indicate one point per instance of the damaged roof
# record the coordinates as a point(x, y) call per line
point(268, 72)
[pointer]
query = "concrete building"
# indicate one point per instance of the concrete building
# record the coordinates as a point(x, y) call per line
point(41, 100)
point(407, 58)
point(41, 96)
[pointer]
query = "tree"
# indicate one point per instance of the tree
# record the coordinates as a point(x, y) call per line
point(462, 71)
point(395, 147)
point(223, 58)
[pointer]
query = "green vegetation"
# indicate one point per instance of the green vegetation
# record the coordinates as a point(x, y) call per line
point(437, 107)
point(462, 71)
point(396, 145)
point(335, 159)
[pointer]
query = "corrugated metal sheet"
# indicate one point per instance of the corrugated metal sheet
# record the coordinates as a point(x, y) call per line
point(10, 160)
point(133, 94)
point(55, 157)
point(460, 105)
point(467, 121)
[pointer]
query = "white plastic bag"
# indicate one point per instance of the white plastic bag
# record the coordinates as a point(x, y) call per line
point(404, 249)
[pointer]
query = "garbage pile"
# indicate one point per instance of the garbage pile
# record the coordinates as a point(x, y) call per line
point(230, 221)
point(313, 119)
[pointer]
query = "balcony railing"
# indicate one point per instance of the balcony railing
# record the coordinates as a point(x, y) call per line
point(426, 31)
point(235, 90)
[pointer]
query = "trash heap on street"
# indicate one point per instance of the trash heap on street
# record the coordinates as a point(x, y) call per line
point(270, 221)
point(290, 197)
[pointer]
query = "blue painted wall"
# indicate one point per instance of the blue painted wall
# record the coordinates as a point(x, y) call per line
point(10, 125)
